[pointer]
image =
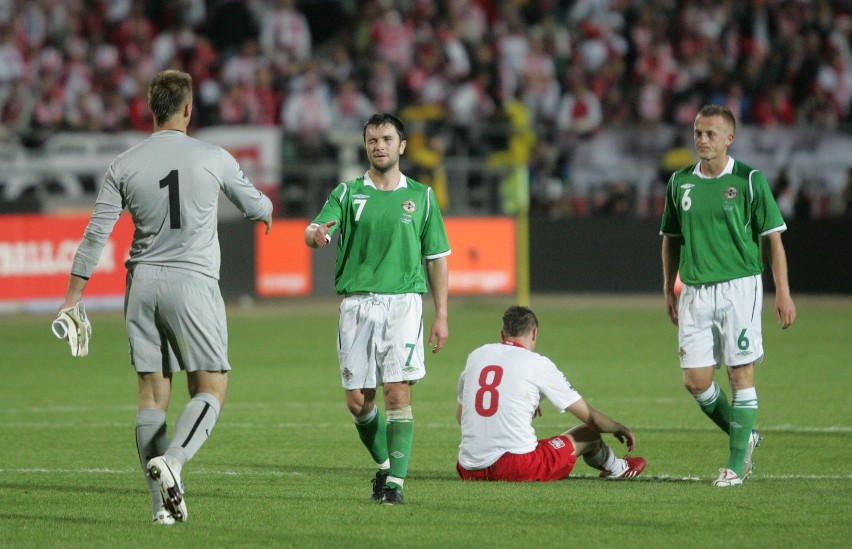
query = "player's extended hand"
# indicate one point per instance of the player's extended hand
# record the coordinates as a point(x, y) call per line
point(438, 335)
point(626, 437)
point(785, 310)
point(321, 234)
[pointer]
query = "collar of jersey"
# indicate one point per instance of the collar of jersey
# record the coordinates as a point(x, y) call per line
point(729, 169)
point(403, 181)
point(512, 344)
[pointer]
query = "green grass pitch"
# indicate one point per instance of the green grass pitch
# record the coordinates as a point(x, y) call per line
point(284, 467)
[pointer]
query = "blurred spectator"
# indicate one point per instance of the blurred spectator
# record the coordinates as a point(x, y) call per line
point(338, 65)
point(785, 195)
point(306, 114)
point(350, 107)
point(540, 89)
point(242, 68)
point(382, 87)
point(470, 108)
point(393, 38)
point(285, 36)
point(425, 80)
point(267, 97)
point(238, 105)
point(579, 113)
point(774, 108)
point(84, 65)
point(835, 80)
point(16, 111)
point(12, 64)
point(469, 19)
point(457, 59)
point(512, 48)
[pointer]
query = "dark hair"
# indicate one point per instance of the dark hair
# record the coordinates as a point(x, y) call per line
point(167, 93)
point(719, 110)
point(518, 321)
point(381, 119)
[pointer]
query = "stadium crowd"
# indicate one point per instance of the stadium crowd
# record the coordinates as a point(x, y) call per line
point(315, 67)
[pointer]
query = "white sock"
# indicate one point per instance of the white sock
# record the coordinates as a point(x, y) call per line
point(709, 396)
point(605, 460)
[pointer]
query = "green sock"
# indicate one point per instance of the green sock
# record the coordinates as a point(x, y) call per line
point(714, 403)
point(743, 416)
point(373, 433)
point(400, 435)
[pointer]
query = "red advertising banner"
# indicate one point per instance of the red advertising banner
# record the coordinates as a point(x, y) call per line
point(36, 252)
point(283, 263)
point(484, 255)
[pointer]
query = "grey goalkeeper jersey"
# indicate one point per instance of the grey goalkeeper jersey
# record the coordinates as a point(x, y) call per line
point(170, 184)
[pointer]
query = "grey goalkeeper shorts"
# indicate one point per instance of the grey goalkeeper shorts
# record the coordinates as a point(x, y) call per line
point(175, 320)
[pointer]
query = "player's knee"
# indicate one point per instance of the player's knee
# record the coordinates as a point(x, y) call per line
point(697, 380)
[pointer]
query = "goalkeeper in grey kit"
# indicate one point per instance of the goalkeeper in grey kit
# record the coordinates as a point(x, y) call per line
point(174, 312)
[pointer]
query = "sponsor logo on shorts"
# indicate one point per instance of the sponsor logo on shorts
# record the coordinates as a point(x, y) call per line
point(347, 374)
point(557, 443)
point(744, 353)
point(409, 369)
point(681, 352)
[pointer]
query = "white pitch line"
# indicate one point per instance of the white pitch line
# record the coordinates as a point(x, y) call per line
point(279, 474)
point(785, 428)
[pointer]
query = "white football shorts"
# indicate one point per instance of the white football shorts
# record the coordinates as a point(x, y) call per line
point(175, 320)
point(380, 340)
point(721, 323)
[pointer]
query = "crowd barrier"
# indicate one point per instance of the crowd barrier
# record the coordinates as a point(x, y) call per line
point(36, 253)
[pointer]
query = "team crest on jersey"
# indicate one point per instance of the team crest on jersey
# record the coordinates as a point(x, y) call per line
point(409, 206)
point(730, 194)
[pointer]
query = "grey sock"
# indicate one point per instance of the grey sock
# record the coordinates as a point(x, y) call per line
point(152, 440)
point(193, 427)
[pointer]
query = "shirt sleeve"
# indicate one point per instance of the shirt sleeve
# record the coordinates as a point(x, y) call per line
point(332, 210)
point(670, 224)
point(254, 204)
point(555, 386)
point(767, 216)
point(107, 210)
point(434, 242)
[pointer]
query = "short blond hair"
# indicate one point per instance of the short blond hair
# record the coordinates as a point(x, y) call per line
point(167, 94)
point(719, 110)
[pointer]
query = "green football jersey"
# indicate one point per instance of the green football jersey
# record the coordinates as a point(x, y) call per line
point(384, 235)
point(721, 221)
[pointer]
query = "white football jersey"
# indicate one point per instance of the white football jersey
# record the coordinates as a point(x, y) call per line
point(499, 391)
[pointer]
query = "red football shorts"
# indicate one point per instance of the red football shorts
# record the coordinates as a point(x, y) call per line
point(553, 459)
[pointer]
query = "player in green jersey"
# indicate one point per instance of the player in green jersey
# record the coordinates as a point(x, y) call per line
point(388, 225)
point(717, 214)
